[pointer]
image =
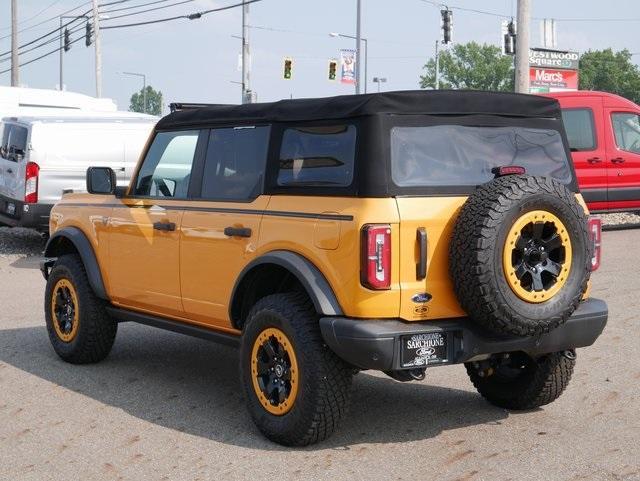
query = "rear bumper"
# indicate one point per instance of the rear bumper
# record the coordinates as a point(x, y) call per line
point(376, 344)
point(35, 216)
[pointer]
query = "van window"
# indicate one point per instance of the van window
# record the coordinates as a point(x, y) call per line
point(453, 155)
point(317, 156)
point(626, 128)
point(580, 129)
point(166, 169)
point(235, 163)
point(14, 142)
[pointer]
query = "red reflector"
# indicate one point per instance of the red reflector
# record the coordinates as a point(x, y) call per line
point(508, 170)
point(31, 183)
point(595, 232)
point(376, 257)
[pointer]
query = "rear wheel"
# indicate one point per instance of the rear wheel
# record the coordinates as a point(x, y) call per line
point(79, 328)
point(518, 381)
point(296, 389)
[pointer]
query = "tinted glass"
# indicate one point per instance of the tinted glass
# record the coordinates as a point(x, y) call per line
point(317, 156)
point(14, 141)
point(166, 169)
point(626, 128)
point(580, 131)
point(236, 159)
point(455, 155)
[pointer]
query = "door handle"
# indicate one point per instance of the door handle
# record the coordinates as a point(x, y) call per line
point(617, 160)
point(237, 231)
point(164, 226)
point(421, 266)
point(9, 171)
point(594, 160)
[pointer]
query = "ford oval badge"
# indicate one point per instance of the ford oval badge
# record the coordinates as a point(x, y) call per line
point(421, 297)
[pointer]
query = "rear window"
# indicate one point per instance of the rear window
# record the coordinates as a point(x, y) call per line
point(580, 130)
point(317, 156)
point(457, 155)
point(14, 142)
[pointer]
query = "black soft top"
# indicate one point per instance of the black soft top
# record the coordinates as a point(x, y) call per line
point(414, 102)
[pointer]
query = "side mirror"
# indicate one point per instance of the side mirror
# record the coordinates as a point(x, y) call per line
point(101, 180)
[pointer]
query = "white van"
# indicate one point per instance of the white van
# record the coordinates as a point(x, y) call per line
point(40, 157)
point(18, 101)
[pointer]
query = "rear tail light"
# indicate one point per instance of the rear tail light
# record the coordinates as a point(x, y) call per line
point(31, 183)
point(376, 257)
point(595, 232)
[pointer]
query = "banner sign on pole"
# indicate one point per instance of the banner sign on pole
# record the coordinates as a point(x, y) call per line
point(348, 66)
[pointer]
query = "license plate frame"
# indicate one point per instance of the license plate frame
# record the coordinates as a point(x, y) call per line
point(425, 349)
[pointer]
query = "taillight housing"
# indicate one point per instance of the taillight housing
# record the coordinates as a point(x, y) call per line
point(31, 183)
point(375, 272)
point(595, 233)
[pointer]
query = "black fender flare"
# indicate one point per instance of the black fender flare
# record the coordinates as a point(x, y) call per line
point(314, 282)
point(88, 256)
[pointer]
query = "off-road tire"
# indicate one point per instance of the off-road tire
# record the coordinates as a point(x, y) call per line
point(96, 329)
point(324, 379)
point(476, 250)
point(545, 380)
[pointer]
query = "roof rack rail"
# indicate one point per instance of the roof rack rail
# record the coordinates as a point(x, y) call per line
point(187, 106)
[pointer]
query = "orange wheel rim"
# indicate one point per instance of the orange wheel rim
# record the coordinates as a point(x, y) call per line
point(65, 310)
point(274, 371)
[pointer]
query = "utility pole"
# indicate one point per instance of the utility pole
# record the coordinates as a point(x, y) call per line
point(96, 32)
point(437, 80)
point(15, 68)
point(247, 95)
point(522, 47)
point(358, 44)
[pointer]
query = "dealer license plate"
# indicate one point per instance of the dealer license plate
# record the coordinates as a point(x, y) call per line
point(11, 208)
point(420, 350)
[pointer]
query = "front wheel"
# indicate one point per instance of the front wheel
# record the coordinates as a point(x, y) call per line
point(296, 389)
point(518, 381)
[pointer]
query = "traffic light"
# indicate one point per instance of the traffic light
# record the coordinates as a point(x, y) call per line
point(509, 39)
point(67, 40)
point(88, 34)
point(447, 24)
point(333, 67)
point(288, 67)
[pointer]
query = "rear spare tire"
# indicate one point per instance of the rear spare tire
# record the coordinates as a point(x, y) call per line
point(520, 255)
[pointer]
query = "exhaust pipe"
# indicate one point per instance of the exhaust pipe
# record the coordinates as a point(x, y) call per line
point(406, 375)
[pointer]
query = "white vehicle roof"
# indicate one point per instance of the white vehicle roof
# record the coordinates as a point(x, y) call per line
point(18, 100)
point(83, 116)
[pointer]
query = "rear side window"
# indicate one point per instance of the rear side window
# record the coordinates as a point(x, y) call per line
point(580, 129)
point(236, 159)
point(14, 142)
point(166, 170)
point(626, 129)
point(457, 155)
point(317, 156)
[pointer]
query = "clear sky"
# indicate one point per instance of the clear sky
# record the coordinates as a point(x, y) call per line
point(197, 60)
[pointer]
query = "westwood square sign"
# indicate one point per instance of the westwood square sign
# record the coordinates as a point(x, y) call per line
point(553, 70)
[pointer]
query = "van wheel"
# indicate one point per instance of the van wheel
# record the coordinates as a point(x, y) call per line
point(517, 381)
point(520, 255)
point(296, 389)
point(79, 328)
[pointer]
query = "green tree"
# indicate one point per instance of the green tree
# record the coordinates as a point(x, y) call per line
point(471, 66)
point(611, 72)
point(154, 101)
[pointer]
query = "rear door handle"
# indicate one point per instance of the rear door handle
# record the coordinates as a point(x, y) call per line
point(9, 171)
point(617, 160)
point(237, 231)
point(594, 160)
point(421, 266)
point(164, 226)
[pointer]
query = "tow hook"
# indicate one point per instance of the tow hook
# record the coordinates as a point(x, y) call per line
point(408, 375)
point(570, 354)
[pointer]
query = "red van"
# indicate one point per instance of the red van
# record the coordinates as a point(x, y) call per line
point(604, 136)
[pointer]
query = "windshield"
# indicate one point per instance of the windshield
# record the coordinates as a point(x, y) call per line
point(457, 155)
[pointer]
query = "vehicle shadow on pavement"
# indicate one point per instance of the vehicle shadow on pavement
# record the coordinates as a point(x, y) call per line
point(192, 386)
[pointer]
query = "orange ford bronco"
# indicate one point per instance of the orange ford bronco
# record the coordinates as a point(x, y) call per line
point(396, 232)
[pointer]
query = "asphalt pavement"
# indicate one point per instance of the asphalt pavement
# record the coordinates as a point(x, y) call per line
point(164, 406)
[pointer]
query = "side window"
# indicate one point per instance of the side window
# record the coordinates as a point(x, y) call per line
point(580, 129)
point(166, 169)
point(626, 129)
point(317, 156)
point(14, 142)
point(235, 163)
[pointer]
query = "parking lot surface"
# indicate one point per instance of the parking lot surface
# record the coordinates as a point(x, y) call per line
point(164, 406)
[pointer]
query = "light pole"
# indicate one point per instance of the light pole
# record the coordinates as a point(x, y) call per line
point(379, 80)
point(144, 88)
point(366, 59)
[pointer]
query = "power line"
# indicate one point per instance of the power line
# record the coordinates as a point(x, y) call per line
point(41, 56)
point(148, 9)
point(47, 20)
point(135, 6)
point(27, 20)
point(43, 44)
